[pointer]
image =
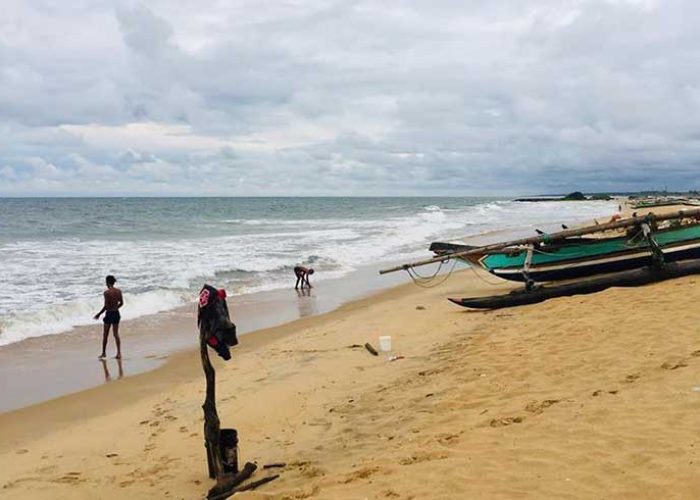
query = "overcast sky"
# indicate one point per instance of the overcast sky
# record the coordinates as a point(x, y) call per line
point(227, 97)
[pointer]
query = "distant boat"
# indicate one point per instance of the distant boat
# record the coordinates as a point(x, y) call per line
point(663, 202)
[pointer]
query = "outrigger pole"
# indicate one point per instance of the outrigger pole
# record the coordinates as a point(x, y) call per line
point(546, 238)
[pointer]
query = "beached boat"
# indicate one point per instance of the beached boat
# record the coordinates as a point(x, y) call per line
point(574, 258)
point(568, 254)
point(644, 255)
point(666, 201)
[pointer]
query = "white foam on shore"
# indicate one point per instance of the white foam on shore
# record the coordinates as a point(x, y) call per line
point(51, 287)
point(63, 317)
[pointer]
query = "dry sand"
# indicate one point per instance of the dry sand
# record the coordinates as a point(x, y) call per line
point(582, 397)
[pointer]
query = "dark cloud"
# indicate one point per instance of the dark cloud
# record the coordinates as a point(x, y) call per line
point(268, 98)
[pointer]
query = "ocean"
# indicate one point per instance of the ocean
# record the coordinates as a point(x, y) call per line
point(55, 252)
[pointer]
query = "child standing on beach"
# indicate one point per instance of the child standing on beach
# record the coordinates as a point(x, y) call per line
point(113, 301)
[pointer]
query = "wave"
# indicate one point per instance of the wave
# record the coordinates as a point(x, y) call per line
point(159, 274)
point(63, 317)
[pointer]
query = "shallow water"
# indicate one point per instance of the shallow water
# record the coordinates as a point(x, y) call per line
point(56, 252)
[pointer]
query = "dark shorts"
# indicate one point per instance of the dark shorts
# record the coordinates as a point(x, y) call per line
point(112, 318)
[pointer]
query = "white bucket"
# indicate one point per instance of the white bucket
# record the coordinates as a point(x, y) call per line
point(385, 343)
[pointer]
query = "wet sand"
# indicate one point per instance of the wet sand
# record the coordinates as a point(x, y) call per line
point(41, 368)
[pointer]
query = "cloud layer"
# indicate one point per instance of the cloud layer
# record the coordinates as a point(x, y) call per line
point(109, 97)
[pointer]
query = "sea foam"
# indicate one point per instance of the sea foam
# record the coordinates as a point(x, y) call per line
point(51, 285)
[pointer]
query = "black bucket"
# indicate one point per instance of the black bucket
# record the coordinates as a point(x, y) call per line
point(228, 444)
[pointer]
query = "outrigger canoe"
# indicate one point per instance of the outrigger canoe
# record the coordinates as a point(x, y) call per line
point(645, 255)
point(579, 257)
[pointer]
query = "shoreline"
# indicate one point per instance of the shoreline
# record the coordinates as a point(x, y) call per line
point(184, 365)
point(67, 359)
point(66, 363)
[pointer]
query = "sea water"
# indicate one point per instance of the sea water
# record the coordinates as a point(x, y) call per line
point(55, 252)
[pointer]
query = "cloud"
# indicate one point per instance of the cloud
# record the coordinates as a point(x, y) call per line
point(115, 97)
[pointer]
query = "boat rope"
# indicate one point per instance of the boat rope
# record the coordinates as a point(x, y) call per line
point(414, 274)
point(482, 278)
point(633, 240)
point(427, 281)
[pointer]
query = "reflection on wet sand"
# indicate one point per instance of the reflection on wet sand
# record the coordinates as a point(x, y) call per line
point(306, 302)
point(105, 368)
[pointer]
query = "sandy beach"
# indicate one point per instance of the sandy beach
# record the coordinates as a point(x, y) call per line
point(191, 153)
point(581, 397)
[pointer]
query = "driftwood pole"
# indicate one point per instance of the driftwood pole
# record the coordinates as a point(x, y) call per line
point(218, 332)
point(212, 430)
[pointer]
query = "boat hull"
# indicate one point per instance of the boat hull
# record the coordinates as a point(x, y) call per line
point(595, 266)
point(635, 277)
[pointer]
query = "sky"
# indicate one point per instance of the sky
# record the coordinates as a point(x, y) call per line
point(271, 98)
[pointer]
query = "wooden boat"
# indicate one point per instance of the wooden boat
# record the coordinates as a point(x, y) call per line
point(635, 277)
point(582, 257)
point(662, 202)
point(571, 238)
point(644, 256)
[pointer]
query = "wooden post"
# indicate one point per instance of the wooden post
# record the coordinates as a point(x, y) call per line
point(212, 430)
point(217, 330)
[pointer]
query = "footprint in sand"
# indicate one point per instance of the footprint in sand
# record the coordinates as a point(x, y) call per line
point(631, 378)
point(447, 439)
point(362, 473)
point(537, 407)
point(16, 482)
point(310, 471)
point(599, 392)
point(423, 456)
point(69, 478)
point(505, 421)
point(673, 366)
